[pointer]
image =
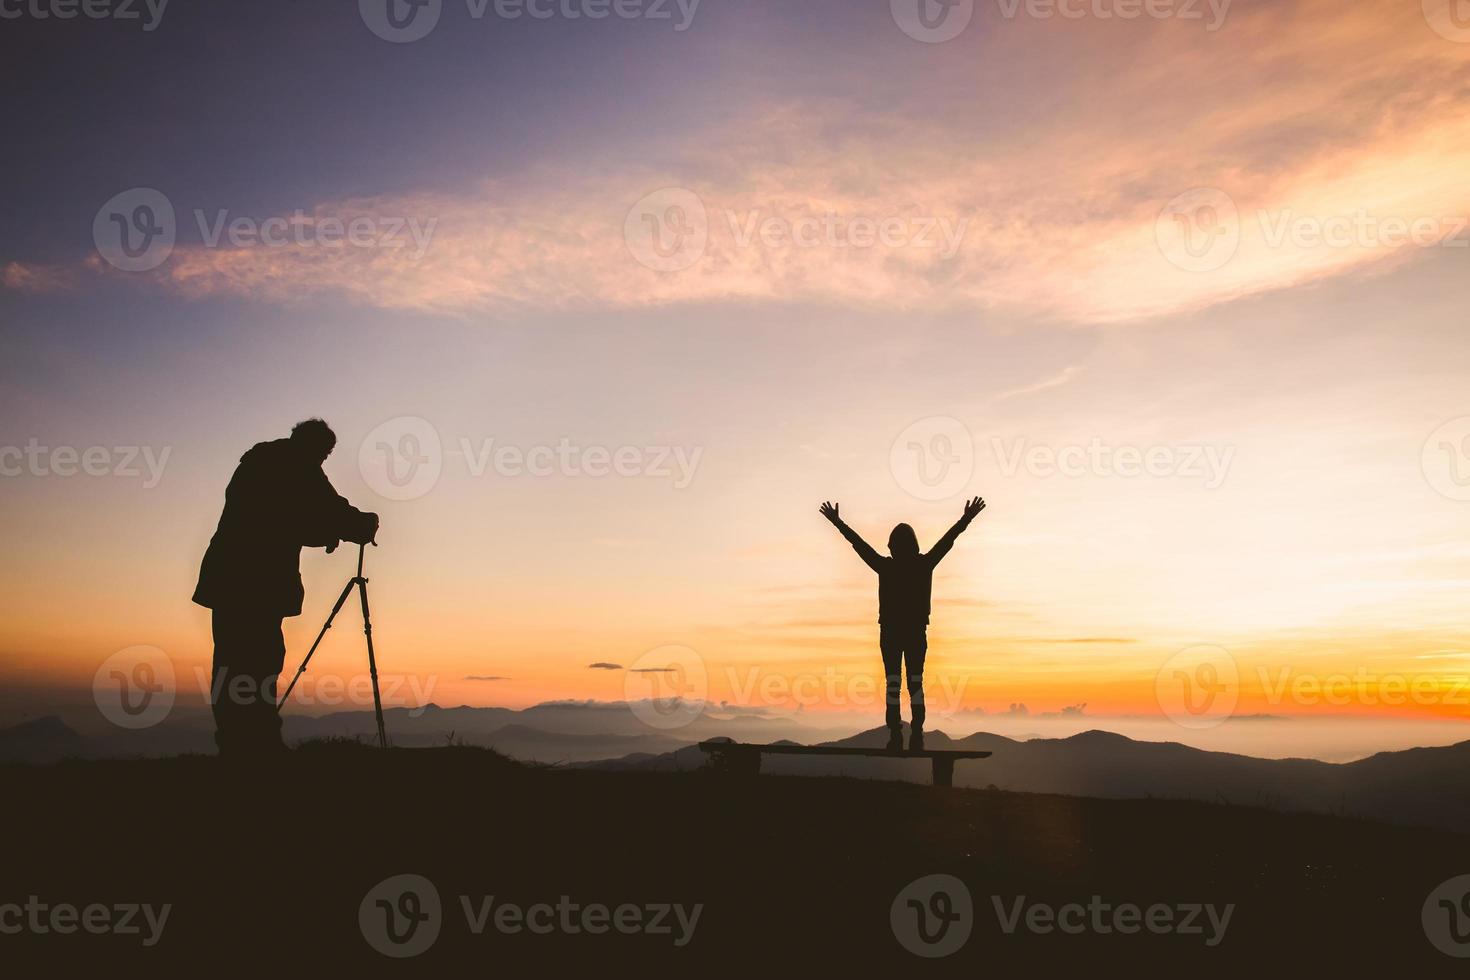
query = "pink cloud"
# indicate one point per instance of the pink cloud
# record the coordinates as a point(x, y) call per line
point(1298, 115)
point(31, 278)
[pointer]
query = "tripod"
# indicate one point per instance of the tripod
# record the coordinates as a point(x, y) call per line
point(367, 629)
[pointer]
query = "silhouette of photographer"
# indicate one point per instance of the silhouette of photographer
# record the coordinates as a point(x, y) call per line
point(905, 582)
point(278, 502)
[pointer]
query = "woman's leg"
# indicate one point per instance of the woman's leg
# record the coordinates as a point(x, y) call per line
point(914, 651)
point(890, 642)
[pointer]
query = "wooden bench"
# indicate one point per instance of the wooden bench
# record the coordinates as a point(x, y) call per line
point(745, 758)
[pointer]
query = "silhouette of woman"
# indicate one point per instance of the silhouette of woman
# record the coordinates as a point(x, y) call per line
point(905, 581)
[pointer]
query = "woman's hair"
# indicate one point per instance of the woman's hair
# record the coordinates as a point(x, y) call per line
point(903, 543)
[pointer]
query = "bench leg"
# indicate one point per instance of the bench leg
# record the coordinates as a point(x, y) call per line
point(745, 763)
point(943, 771)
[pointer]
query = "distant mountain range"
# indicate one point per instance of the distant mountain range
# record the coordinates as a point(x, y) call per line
point(554, 732)
point(1421, 787)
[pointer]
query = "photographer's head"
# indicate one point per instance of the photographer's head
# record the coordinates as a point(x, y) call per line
point(315, 438)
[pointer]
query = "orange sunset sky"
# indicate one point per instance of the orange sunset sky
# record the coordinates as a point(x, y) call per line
point(1242, 250)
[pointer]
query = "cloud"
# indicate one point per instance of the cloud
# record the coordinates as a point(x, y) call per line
point(653, 670)
point(1056, 381)
point(478, 677)
point(817, 622)
point(30, 278)
point(603, 665)
point(1077, 639)
point(1301, 110)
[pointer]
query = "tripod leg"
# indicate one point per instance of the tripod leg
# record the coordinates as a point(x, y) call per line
point(367, 630)
point(341, 599)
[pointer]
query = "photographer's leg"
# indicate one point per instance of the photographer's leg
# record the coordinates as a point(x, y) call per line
point(248, 655)
point(272, 647)
point(231, 647)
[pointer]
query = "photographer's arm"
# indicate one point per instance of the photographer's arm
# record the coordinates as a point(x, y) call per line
point(327, 518)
